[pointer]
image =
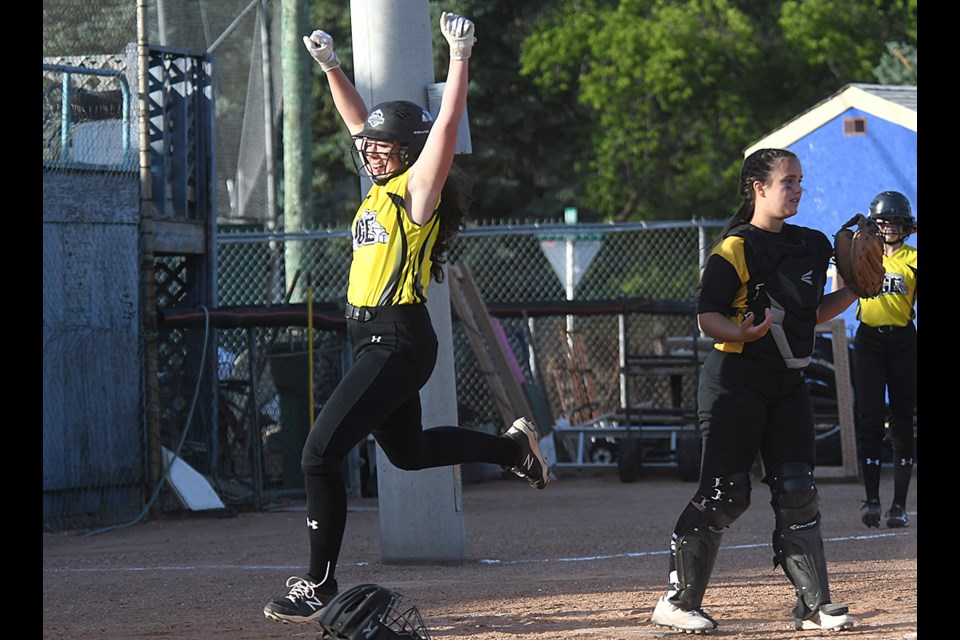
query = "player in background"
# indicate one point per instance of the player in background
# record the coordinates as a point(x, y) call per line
point(760, 298)
point(400, 236)
point(885, 362)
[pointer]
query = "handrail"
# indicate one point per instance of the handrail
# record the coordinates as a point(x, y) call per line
point(65, 119)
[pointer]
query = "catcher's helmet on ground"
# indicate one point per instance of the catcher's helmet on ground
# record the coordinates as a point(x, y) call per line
point(406, 124)
point(370, 612)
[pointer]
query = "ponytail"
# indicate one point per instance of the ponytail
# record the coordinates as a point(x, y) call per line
point(757, 167)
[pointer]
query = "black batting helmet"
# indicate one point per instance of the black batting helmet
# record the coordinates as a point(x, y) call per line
point(404, 123)
point(893, 206)
point(890, 204)
point(370, 612)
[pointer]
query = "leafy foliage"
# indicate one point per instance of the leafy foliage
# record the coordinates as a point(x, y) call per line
point(631, 109)
point(898, 65)
point(625, 109)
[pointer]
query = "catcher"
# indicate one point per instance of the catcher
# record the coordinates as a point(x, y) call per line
point(761, 296)
point(885, 357)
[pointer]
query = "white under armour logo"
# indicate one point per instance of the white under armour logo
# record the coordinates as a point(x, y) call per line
point(376, 338)
point(313, 524)
point(906, 462)
point(875, 461)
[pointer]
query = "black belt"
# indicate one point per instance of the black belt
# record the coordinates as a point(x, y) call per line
point(886, 328)
point(390, 312)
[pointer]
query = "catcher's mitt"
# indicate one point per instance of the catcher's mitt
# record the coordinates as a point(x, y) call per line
point(858, 255)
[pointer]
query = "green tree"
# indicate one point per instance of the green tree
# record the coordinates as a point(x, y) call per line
point(336, 187)
point(847, 38)
point(657, 76)
point(898, 65)
point(629, 109)
point(676, 89)
point(527, 146)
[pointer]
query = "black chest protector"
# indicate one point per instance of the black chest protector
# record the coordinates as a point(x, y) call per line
point(787, 275)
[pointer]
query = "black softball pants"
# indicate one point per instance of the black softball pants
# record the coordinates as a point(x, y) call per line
point(747, 408)
point(885, 364)
point(394, 356)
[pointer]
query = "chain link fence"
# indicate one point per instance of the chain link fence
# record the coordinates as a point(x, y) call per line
point(514, 266)
point(235, 402)
point(90, 109)
point(100, 432)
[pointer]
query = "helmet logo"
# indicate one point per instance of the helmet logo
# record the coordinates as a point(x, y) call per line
point(375, 119)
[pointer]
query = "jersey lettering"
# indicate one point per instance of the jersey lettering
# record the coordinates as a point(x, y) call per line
point(368, 231)
point(893, 283)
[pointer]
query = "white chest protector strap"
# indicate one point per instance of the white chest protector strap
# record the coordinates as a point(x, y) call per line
point(780, 337)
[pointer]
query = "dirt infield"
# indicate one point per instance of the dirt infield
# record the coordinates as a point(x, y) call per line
point(585, 558)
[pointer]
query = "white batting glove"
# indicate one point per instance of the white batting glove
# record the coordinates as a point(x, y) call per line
point(459, 34)
point(320, 45)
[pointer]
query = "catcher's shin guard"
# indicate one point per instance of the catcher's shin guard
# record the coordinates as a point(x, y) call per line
point(693, 552)
point(797, 539)
point(692, 556)
point(696, 538)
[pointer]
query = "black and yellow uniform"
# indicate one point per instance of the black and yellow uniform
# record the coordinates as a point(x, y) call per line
point(391, 253)
point(752, 399)
point(750, 271)
point(753, 269)
point(395, 350)
point(885, 362)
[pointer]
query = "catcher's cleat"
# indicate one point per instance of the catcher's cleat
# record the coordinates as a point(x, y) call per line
point(830, 617)
point(531, 464)
point(666, 614)
point(303, 604)
point(870, 513)
point(896, 516)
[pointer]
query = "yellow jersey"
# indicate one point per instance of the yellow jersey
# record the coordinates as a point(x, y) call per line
point(391, 253)
point(895, 304)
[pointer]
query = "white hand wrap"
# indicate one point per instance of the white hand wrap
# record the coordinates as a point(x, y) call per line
point(459, 34)
point(320, 45)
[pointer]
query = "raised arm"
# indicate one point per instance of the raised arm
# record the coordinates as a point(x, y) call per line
point(346, 98)
point(430, 171)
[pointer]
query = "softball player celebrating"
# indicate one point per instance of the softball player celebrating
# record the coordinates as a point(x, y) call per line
point(400, 237)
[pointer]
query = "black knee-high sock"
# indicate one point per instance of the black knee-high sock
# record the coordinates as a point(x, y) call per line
point(902, 471)
point(870, 467)
point(326, 519)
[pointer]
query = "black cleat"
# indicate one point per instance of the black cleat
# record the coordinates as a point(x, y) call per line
point(896, 516)
point(531, 464)
point(303, 604)
point(870, 513)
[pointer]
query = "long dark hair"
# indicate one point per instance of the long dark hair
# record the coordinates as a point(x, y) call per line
point(757, 167)
point(455, 199)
